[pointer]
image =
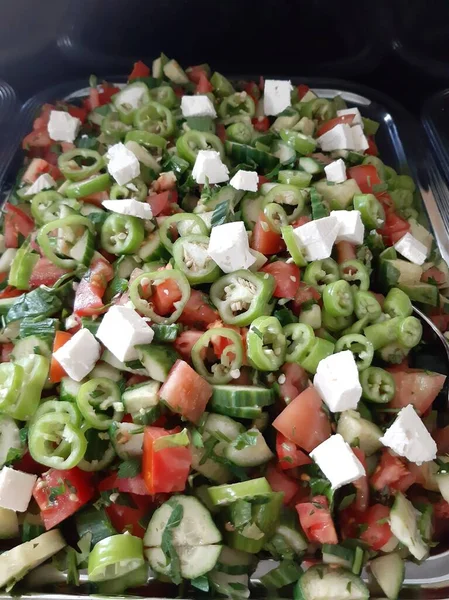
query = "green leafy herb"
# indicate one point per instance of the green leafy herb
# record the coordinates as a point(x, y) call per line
point(31, 531)
point(134, 365)
point(248, 438)
point(347, 501)
point(209, 446)
point(167, 543)
point(56, 491)
point(165, 333)
point(285, 316)
point(201, 583)
point(117, 286)
point(197, 440)
point(91, 324)
point(307, 305)
point(87, 141)
point(13, 454)
point(41, 302)
point(45, 328)
point(176, 164)
point(129, 468)
point(73, 576)
point(175, 440)
point(238, 587)
point(221, 213)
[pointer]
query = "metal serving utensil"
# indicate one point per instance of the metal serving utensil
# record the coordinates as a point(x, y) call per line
point(426, 321)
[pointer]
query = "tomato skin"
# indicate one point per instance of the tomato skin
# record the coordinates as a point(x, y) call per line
point(316, 521)
point(133, 485)
point(366, 176)
point(204, 86)
point(416, 387)
point(265, 240)
point(125, 518)
point(78, 112)
point(345, 251)
point(392, 473)
point(186, 392)
point(372, 146)
point(56, 371)
point(35, 169)
point(261, 123)
point(287, 277)
point(16, 221)
point(394, 228)
point(78, 491)
point(378, 532)
point(296, 381)
point(328, 125)
point(195, 72)
point(6, 351)
point(304, 294)
point(185, 342)
point(161, 204)
point(38, 138)
point(280, 482)
point(289, 455)
point(198, 313)
point(303, 421)
point(45, 273)
point(91, 288)
point(166, 470)
point(302, 90)
point(10, 292)
point(140, 69)
point(164, 296)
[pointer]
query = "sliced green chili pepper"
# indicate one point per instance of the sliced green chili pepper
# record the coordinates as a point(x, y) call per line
point(319, 273)
point(366, 306)
point(191, 257)
point(147, 139)
point(35, 370)
point(319, 350)
point(184, 223)
point(360, 346)
point(337, 298)
point(121, 192)
point(122, 234)
point(377, 385)
point(333, 323)
point(299, 179)
point(303, 144)
point(240, 132)
point(393, 353)
point(239, 103)
point(231, 358)
point(222, 86)
point(115, 556)
point(381, 334)
point(410, 332)
point(11, 380)
point(242, 296)
point(80, 163)
point(47, 247)
point(59, 406)
point(300, 338)
point(398, 304)
point(47, 206)
point(86, 187)
point(290, 197)
point(99, 401)
point(357, 327)
point(165, 95)
point(113, 126)
point(191, 142)
point(55, 442)
point(371, 210)
point(155, 118)
point(292, 246)
point(266, 344)
point(354, 271)
point(143, 285)
point(122, 102)
point(276, 216)
point(22, 267)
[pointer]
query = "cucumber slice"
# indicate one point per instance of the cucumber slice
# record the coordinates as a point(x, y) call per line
point(234, 562)
point(284, 574)
point(102, 369)
point(339, 195)
point(9, 524)
point(310, 165)
point(127, 439)
point(211, 469)
point(404, 525)
point(195, 529)
point(158, 66)
point(5, 305)
point(175, 72)
point(358, 431)
point(194, 560)
point(287, 541)
point(157, 360)
point(69, 389)
point(253, 455)
point(84, 248)
point(9, 438)
point(389, 572)
point(142, 402)
point(251, 209)
point(109, 358)
point(31, 344)
point(6, 259)
point(240, 401)
point(15, 563)
point(223, 495)
point(334, 554)
point(284, 152)
point(323, 582)
point(231, 586)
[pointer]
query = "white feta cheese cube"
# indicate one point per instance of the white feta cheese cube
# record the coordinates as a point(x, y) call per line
point(351, 111)
point(43, 182)
point(208, 165)
point(16, 489)
point(316, 238)
point(62, 127)
point(338, 138)
point(78, 356)
point(133, 96)
point(123, 164)
point(337, 381)
point(229, 247)
point(336, 171)
point(338, 462)
point(245, 180)
point(121, 329)
point(409, 437)
point(129, 206)
point(71, 321)
point(411, 249)
point(351, 228)
point(359, 138)
point(197, 106)
point(277, 96)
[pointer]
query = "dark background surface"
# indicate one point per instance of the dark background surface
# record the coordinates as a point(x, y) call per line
point(400, 47)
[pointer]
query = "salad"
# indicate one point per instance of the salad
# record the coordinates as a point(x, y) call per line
point(209, 356)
